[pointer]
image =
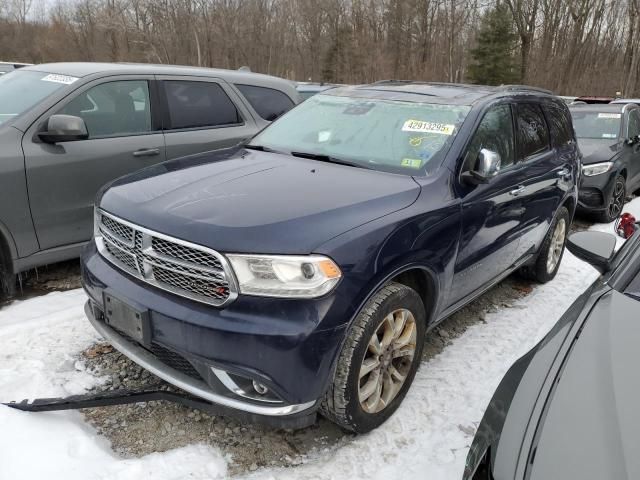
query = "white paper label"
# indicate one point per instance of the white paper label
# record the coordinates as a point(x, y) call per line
point(55, 78)
point(609, 115)
point(428, 127)
point(609, 135)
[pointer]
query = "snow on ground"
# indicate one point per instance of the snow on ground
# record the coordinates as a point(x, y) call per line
point(427, 438)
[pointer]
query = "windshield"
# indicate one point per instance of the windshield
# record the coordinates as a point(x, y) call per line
point(393, 136)
point(600, 125)
point(20, 90)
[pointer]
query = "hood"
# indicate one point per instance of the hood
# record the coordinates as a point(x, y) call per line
point(596, 150)
point(593, 413)
point(256, 202)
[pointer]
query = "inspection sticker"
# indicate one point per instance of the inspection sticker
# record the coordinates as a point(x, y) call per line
point(609, 115)
point(411, 162)
point(55, 78)
point(427, 127)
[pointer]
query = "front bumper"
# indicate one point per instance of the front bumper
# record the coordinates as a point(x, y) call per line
point(596, 190)
point(205, 350)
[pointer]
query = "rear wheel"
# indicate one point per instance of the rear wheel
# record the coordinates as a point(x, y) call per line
point(7, 279)
point(551, 252)
point(378, 360)
point(615, 202)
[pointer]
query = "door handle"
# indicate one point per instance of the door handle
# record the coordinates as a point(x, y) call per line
point(517, 191)
point(146, 152)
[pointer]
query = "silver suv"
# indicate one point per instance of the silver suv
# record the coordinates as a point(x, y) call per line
point(66, 129)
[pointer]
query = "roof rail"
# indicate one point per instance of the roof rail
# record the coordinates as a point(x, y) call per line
point(525, 87)
point(391, 80)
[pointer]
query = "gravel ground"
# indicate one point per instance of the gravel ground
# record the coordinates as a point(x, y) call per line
point(140, 429)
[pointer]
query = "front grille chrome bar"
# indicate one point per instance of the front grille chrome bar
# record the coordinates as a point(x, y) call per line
point(177, 266)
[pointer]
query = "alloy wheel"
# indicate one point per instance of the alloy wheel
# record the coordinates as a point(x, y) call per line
point(387, 360)
point(557, 245)
point(617, 199)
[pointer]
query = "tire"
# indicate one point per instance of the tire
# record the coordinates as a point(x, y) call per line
point(342, 404)
point(7, 281)
point(615, 201)
point(543, 270)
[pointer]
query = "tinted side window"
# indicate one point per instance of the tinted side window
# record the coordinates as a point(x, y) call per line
point(113, 108)
point(494, 133)
point(269, 103)
point(634, 124)
point(533, 136)
point(198, 104)
point(560, 125)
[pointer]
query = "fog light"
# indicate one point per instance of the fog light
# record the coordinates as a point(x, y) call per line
point(260, 388)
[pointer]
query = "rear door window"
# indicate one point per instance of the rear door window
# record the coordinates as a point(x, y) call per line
point(193, 104)
point(267, 102)
point(113, 109)
point(560, 125)
point(532, 134)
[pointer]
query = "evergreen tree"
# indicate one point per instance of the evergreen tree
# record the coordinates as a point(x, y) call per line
point(493, 59)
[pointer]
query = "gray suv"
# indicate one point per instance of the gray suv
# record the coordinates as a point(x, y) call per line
point(67, 129)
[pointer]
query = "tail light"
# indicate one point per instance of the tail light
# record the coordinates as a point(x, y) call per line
point(626, 225)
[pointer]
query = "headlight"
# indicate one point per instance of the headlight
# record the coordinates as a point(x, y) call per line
point(596, 168)
point(286, 276)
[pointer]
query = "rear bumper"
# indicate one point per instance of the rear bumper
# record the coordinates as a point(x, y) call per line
point(209, 351)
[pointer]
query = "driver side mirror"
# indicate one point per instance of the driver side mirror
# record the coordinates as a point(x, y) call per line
point(487, 166)
point(64, 128)
point(595, 248)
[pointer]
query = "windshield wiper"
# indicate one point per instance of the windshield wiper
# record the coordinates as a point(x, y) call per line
point(329, 159)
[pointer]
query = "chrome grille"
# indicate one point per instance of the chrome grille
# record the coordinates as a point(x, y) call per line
point(185, 269)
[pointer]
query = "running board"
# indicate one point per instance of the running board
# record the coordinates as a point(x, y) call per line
point(124, 397)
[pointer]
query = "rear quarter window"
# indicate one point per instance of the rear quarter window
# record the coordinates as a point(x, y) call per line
point(195, 104)
point(267, 102)
point(532, 133)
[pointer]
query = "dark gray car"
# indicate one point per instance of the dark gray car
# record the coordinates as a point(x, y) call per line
point(609, 139)
point(569, 408)
point(67, 129)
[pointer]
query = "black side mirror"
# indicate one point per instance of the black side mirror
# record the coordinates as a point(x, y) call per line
point(595, 248)
point(64, 128)
point(487, 166)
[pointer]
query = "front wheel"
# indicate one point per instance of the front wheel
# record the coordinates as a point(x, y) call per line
point(547, 262)
point(378, 361)
point(615, 202)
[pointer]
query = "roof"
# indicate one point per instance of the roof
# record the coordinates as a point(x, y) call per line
point(432, 92)
point(599, 107)
point(83, 69)
point(626, 100)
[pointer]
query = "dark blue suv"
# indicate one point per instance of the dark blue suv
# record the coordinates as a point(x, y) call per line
point(300, 272)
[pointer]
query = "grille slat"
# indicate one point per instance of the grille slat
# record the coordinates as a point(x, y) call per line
point(185, 269)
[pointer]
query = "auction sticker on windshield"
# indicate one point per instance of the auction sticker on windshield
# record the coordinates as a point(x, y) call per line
point(609, 115)
point(428, 127)
point(55, 78)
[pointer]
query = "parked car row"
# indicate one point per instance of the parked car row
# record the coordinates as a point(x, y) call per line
point(289, 269)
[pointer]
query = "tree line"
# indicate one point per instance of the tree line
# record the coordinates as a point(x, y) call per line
point(573, 47)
